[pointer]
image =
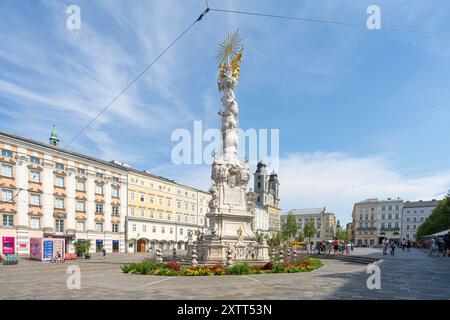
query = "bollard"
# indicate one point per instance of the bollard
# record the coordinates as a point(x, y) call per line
point(280, 256)
point(159, 255)
point(194, 257)
point(229, 258)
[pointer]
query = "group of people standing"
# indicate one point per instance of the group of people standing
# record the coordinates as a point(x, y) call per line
point(338, 247)
point(440, 246)
point(390, 244)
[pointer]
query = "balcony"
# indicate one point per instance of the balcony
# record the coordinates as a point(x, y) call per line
point(391, 229)
point(366, 228)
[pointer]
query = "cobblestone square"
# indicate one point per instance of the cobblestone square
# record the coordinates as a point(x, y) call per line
point(406, 275)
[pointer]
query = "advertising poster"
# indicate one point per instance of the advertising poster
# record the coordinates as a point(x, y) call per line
point(36, 248)
point(8, 244)
point(48, 250)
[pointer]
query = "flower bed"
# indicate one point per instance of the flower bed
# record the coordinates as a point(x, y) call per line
point(176, 269)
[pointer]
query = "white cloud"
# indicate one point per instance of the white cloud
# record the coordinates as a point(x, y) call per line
point(337, 181)
point(334, 180)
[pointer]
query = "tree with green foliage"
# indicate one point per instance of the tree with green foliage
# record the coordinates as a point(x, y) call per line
point(439, 219)
point(309, 230)
point(300, 236)
point(344, 235)
point(290, 228)
point(274, 240)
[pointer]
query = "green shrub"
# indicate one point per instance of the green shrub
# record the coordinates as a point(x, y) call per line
point(125, 268)
point(277, 268)
point(141, 268)
point(316, 263)
point(239, 268)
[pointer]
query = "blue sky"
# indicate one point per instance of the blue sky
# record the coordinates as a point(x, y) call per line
point(362, 113)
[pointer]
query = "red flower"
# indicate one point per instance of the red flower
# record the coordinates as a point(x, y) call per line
point(173, 265)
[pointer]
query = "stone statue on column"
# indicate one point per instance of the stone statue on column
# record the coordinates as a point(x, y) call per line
point(231, 206)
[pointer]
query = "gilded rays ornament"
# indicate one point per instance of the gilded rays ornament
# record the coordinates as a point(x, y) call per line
point(230, 47)
point(230, 54)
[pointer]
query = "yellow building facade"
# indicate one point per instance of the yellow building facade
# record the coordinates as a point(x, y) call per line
point(162, 212)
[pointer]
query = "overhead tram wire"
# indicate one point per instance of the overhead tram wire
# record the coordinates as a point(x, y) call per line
point(328, 21)
point(131, 83)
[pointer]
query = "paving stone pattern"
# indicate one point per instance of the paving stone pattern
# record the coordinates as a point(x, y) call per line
point(406, 275)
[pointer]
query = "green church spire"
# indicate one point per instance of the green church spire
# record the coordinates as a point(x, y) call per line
point(53, 136)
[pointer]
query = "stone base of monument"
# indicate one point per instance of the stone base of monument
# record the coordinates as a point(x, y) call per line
point(232, 251)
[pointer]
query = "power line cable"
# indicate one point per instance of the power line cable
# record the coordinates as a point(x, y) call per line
point(328, 21)
point(137, 77)
point(133, 81)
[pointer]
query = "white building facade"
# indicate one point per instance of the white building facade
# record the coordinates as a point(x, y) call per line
point(413, 215)
point(390, 219)
point(47, 191)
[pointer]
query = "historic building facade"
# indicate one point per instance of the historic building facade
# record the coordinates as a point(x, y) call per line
point(413, 215)
point(390, 219)
point(47, 191)
point(324, 222)
point(267, 212)
point(365, 222)
point(161, 212)
point(376, 219)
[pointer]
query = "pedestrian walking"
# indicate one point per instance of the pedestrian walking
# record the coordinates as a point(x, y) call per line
point(318, 247)
point(408, 245)
point(434, 246)
point(336, 246)
point(340, 247)
point(385, 246)
point(403, 244)
point(447, 244)
point(104, 253)
point(392, 245)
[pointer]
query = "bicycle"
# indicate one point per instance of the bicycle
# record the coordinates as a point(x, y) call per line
point(58, 259)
